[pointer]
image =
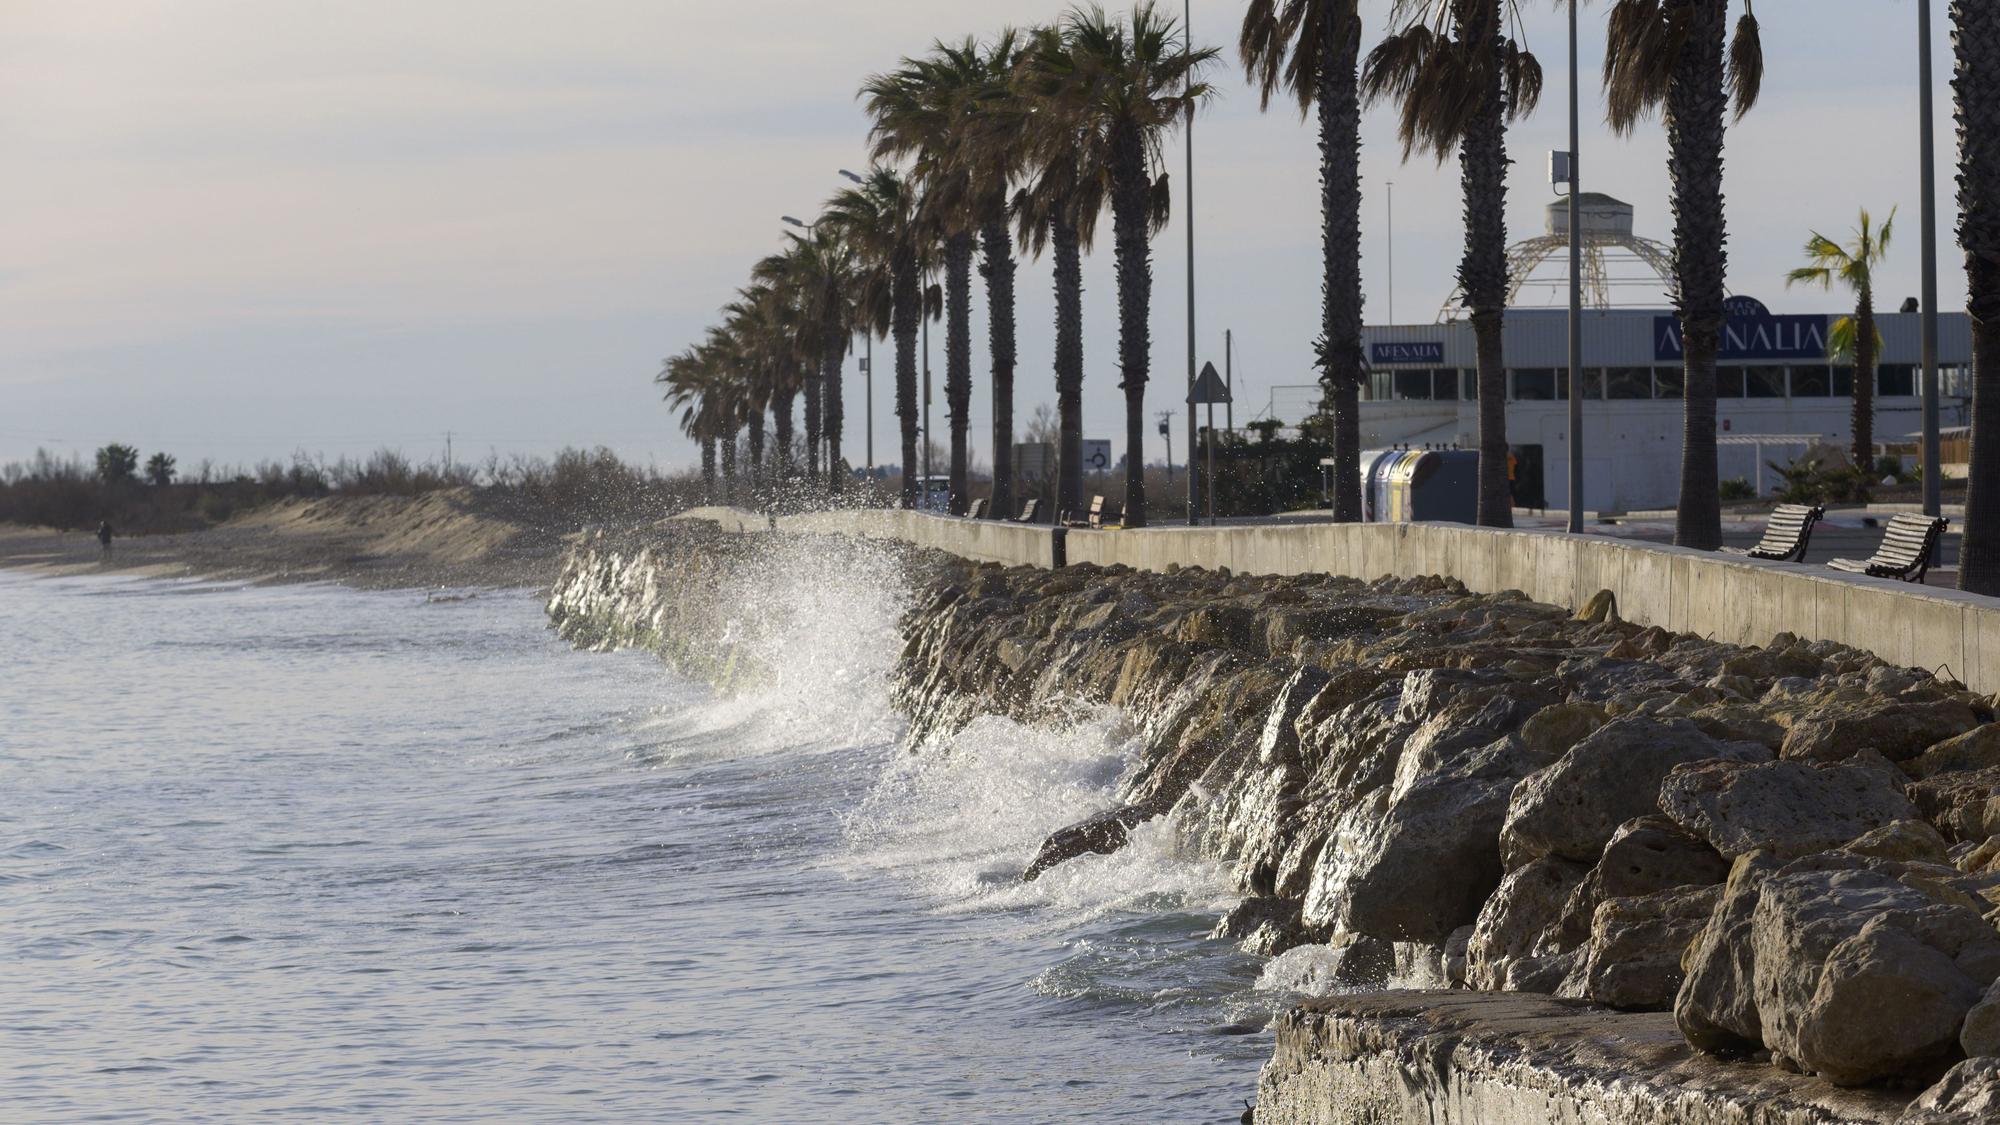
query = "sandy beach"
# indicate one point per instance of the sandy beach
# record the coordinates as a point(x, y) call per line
point(441, 539)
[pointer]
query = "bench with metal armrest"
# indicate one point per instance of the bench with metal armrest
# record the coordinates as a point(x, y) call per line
point(1905, 552)
point(1786, 534)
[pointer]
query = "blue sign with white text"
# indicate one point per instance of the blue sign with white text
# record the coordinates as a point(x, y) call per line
point(1421, 351)
point(1751, 333)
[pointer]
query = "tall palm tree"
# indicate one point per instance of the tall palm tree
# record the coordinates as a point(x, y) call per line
point(1976, 48)
point(816, 277)
point(756, 322)
point(1056, 211)
point(1458, 80)
point(1854, 338)
point(1677, 57)
point(1311, 50)
point(1114, 87)
point(691, 382)
point(878, 219)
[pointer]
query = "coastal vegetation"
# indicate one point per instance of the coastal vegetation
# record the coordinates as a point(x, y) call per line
point(1975, 41)
point(574, 487)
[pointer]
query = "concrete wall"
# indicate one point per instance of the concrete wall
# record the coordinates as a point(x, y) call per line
point(1743, 601)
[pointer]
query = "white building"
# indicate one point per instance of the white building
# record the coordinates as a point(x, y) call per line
point(1773, 379)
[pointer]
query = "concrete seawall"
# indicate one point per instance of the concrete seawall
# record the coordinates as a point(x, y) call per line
point(1724, 597)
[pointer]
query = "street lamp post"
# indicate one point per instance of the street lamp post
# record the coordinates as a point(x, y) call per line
point(1187, 194)
point(1575, 292)
point(1932, 455)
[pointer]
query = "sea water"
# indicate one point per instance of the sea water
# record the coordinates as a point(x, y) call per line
point(306, 853)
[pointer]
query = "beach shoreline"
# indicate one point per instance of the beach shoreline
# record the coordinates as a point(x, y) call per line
point(444, 539)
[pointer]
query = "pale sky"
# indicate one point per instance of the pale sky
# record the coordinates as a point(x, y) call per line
point(233, 229)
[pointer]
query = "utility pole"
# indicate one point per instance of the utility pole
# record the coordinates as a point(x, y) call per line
point(868, 369)
point(1187, 195)
point(448, 462)
point(1932, 455)
point(926, 458)
point(1575, 291)
point(1229, 378)
point(1392, 251)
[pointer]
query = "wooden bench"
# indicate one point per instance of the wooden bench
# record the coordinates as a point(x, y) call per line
point(978, 510)
point(1028, 511)
point(1091, 518)
point(1905, 552)
point(1786, 534)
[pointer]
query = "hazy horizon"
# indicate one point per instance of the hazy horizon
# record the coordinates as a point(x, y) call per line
point(244, 231)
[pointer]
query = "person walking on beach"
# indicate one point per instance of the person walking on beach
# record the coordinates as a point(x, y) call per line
point(104, 537)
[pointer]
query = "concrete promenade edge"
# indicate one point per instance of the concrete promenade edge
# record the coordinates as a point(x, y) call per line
point(1722, 597)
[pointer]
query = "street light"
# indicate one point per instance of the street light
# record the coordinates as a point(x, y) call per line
point(795, 222)
point(1933, 477)
point(852, 176)
point(1575, 294)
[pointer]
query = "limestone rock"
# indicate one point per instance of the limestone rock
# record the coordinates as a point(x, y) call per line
point(1964, 805)
point(1716, 1007)
point(1505, 950)
point(1602, 606)
point(1263, 925)
point(1968, 1094)
point(1902, 839)
point(1981, 1033)
point(1900, 731)
point(1100, 835)
point(1571, 808)
point(1785, 807)
point(1647, 855)
point(1633, 959)
point(1978, 748)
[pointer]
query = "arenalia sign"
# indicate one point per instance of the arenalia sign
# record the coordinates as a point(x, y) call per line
point(1752, 333)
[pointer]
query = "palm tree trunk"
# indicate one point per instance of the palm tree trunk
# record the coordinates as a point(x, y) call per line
point(958, 357)
point(812, 388)
point(1482, 161)
point(834, 413)
point(1864, 386)
point(1697, 103)
point(903, 320)
point(1339, 107)
point(1130, 195)
point(729, 468)
point(1976, 47)
point(781, 404)
point(998, 268)
point(708, 468)
point(756, 451)
point(1069, 361)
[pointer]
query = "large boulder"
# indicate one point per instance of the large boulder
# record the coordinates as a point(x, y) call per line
point(1964, 805)
point(1633, 958)
point(1851, 967)
point(1976, 749)
point(1981, 1033)
point(1968, 1094)
point(1101, 834)
point(1571, 809)
point(1896, 729)
point(1646, 855)
point(1788, 808)
point(1508, 947)
point(1413, 858)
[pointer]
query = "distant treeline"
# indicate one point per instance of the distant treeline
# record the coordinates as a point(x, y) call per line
point(576, 486)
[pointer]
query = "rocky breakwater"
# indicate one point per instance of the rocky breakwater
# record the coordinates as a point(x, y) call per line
point(1785, 860)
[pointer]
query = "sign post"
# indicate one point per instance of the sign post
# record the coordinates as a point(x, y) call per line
point(1208, 390)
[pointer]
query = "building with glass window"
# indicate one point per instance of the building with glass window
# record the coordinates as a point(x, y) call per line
point(1774, 383)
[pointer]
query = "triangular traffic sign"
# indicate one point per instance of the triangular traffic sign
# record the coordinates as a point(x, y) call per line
point(1209, 389)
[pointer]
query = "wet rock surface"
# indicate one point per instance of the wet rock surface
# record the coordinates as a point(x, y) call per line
point(1784, 858)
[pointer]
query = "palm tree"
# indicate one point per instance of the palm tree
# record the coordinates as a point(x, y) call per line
point(878, 219)
point(1057, 212)
point(1854, 338)
point(815, 277)
point(691, 382)
point(1311, 50)
point(1669, 55)
point(1113, 87)
point(1458, 80)
point(1976, 48)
